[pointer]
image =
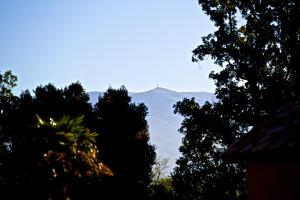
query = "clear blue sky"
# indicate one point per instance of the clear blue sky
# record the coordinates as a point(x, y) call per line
point(101, 43)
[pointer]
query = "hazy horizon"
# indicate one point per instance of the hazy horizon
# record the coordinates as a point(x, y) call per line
point(153, 88)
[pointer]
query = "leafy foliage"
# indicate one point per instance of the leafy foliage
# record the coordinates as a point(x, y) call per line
point(257, 47)
point(44, 158)
point(200, 173)
point(161, 184)
point(162, 189)
point(49, 152)
point(72, 153)
point(159, 169)
point(52, 155)
point(7, 83)
point(259, 58)
point(73, 148)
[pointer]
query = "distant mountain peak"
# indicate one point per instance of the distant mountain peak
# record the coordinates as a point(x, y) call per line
point(163, 124)
point(160, 90)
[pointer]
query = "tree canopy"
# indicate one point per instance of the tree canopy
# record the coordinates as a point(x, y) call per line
point(55, 145)
point(124, 143)
point(257, 46)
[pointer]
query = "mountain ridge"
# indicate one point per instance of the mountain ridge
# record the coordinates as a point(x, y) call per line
point(163, 123)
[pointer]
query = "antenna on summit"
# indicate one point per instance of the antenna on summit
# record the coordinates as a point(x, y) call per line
point(157, 85)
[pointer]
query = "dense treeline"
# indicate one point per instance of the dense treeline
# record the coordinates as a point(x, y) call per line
point(55, 145)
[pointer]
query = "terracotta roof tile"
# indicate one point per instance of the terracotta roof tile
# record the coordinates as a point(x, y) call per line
point(275, 137)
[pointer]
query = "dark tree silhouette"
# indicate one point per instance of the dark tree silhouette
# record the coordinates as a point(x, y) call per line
point(48, 160)
point(7, 82)
point(124, 144)
point(48, 151)
point(76, 102)
point(259, 59)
